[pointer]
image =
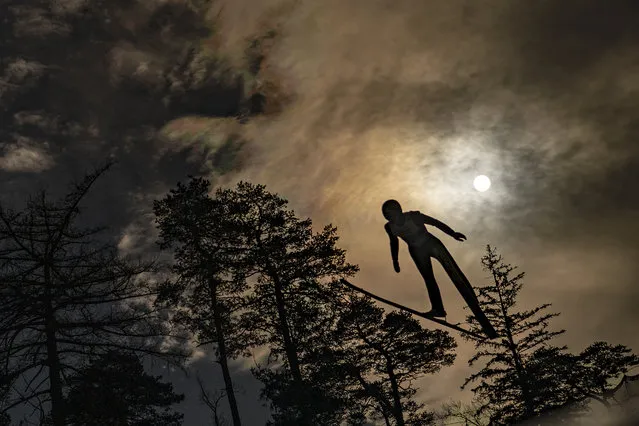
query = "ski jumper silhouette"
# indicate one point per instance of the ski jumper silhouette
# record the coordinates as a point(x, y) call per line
point(422, 246)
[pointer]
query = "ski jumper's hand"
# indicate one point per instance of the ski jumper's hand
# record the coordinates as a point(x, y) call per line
point(459, 236)
point(394, 247)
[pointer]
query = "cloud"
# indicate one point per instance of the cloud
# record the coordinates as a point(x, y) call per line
point(555, 44)
point(25, 155)
point(414, 98)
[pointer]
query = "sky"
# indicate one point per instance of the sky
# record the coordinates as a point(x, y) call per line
point(411, 99)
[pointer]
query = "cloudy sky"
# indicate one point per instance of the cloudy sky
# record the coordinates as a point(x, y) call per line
point(411, 99)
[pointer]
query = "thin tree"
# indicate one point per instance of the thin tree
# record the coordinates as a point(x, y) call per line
point(66, 297)
point(507, 389)
point(212, 401)
point(460, 413)
point(191, 222)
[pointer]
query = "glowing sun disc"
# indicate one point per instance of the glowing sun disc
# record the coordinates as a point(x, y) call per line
point(481, 183)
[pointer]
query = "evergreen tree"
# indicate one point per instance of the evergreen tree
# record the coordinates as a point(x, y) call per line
point(508, 388)
point(375, 358)
point(289, 267)
point(526, 377)
point(245, 239)
point(202, 297)
point(600, 366)
point(115, 390)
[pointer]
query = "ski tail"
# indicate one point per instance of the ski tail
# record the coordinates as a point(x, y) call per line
point(482, 319)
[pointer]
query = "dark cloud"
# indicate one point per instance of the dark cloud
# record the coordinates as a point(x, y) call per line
point(578, 54)
point(83, 82)
point(555, 42)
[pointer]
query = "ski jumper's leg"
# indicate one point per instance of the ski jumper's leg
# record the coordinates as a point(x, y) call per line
point(425, 267)
point(456, 275)
point(463, 286)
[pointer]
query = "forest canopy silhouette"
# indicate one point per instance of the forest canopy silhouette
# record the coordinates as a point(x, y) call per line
point(246, 273)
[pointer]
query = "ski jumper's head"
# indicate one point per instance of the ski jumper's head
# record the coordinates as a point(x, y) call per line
point(392, 211)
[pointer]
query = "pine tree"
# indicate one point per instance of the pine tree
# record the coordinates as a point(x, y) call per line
point(115, 390)
point(600, 367)
point(288, 266)
point(261, 273)
point(375, 358)
point(508, 388)
point(202, 296)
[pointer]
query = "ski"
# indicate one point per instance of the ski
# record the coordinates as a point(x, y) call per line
point(413, 311)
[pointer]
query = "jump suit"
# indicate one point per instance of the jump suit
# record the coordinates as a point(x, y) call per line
point(422, 245)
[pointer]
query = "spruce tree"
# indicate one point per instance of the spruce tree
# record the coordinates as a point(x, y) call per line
point(507, 387)
point(526, 377)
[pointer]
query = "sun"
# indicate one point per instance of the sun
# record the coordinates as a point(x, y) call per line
point(481, 183)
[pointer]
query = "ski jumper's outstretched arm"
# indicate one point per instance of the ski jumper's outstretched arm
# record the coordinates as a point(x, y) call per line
point(442, 226)
point(394, 247)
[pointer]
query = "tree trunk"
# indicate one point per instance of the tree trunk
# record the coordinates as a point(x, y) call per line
point(289, 346)
point(222, 354)
point(374, 393)
point(397, 402)
point(55, 381)
point(519, 367)
point(521, 374)
point(386, 419)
